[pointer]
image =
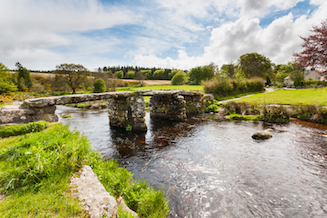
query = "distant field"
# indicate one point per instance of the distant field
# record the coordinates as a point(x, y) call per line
point(165, 87)
point(46, 75)
point(151, 82)
point(286, 97)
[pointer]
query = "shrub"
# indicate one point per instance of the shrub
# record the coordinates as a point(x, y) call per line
point(245, 117)
point(314, 83)
point(221, 87)
point(275, 115)
point(7, 86)
point(212, 108)
point(179, 78)
point(7, 131)
point(99, 86)
point(311, 113)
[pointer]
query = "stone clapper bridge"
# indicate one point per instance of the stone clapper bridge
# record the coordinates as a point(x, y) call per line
point(126, 109)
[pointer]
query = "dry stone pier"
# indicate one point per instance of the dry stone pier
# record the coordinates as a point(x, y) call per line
point(126, 109)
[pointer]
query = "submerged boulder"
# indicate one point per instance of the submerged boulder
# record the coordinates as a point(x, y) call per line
point(261, 135)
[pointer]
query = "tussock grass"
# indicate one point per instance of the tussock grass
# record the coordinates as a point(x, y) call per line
point(245, 117)
point(35, 171)
point(6, 131)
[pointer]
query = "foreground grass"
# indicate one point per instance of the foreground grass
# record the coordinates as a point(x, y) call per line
point(290, 97)
point(165, 87)
point(35, 169)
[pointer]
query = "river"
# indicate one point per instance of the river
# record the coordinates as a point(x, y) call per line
point(210, 168)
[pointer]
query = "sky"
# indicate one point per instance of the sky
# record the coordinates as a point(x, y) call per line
point(178, 34)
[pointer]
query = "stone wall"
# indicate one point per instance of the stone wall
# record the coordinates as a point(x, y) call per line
point(127, 111)
point(18, 114)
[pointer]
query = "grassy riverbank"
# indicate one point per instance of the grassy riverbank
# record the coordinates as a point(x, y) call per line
point(290, 97)
point(35, 169)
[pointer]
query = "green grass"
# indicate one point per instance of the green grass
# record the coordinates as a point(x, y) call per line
point(245, 117)
point(165, 87)
point(36, 167)
point(238, 95)
point(14, 130)
point(290, 97)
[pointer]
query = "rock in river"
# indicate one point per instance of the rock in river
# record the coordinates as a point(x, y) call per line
point(261, 135)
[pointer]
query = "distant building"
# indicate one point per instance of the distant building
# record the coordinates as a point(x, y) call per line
point(288, 82)
point(308, 74)
point(311, 74)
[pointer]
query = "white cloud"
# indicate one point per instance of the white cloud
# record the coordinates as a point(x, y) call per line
point(58, 31)
point(278, 41)
point(30, 27)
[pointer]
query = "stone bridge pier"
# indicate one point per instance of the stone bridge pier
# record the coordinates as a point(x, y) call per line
point(127, 111)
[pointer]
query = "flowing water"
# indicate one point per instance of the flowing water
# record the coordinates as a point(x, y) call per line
point(211, 168)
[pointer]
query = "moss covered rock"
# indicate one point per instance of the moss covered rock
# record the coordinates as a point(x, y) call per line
point(261, 135)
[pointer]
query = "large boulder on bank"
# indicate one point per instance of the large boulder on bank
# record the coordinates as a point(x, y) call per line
point(261, 135)
point(96, 201)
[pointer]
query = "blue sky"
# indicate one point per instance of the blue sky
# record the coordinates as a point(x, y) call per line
point(171, 33)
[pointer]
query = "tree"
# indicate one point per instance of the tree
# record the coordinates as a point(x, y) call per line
point(254, 65)
point(198, 74)
point(159, 74)
point(6, 80)
point(147, 73)
point(130, 74)
point(72, 75)
point(314, 53)
point(227, 70)
point(297, 77)
point(120, 74)
point(140, 77)
point(24, 78)
point(99, 86)
point(180, 78)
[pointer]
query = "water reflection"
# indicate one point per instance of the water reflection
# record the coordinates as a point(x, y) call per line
point(215, 169)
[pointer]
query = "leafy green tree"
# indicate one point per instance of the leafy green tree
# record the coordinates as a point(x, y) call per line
point(227, 70)
point(6, 80)
point(159, 74)
point(254, 64)
point(72, 75)
point(199, 74)
point(172, 73)
point(140, 77)
point(283, 70)
point(130, 74)
point(180, 78)
point(297, 77)
point(99, 86)
point(24, 78)
point(147, 74)
point(120, 74)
